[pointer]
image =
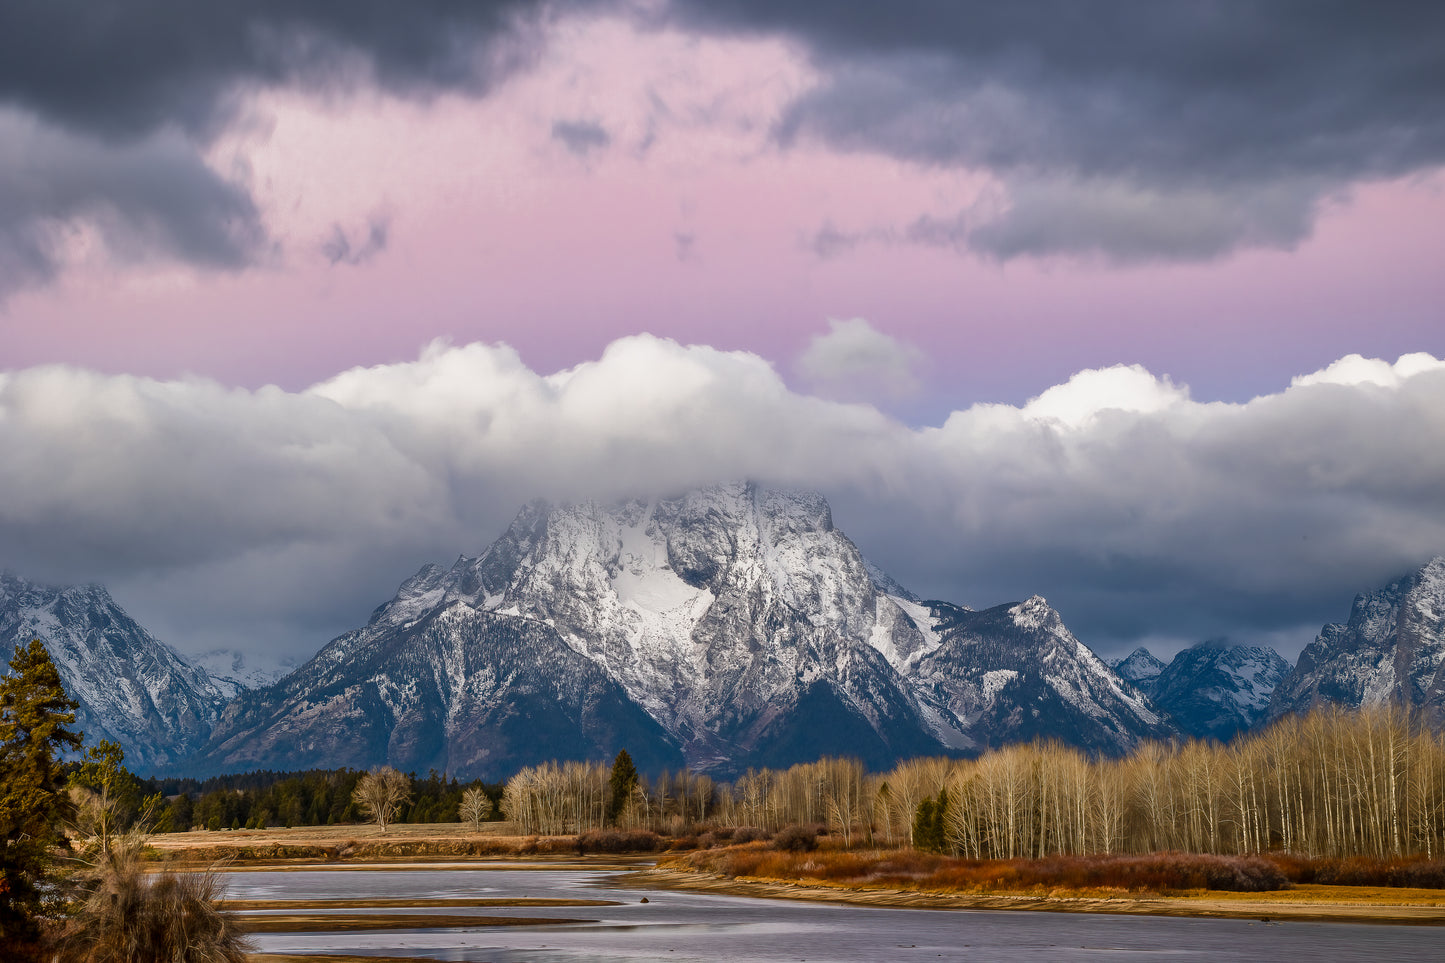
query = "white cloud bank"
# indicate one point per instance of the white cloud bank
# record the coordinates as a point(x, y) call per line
point(856, 361)
point(270, 519)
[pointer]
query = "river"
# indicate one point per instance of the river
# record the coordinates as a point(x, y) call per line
point(681, 926)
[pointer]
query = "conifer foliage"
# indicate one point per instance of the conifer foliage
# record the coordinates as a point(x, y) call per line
point(620, 785)
point(35, 714)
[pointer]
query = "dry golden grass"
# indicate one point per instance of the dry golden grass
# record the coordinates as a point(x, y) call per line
point(360, 843)
point(1315, 893)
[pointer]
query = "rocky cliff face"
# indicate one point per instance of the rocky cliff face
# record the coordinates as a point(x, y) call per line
point(733, 625)
point(131, 688)
point(1391, 651)
point(1216, 691)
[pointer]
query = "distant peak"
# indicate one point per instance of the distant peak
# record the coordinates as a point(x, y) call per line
point(1034, 612)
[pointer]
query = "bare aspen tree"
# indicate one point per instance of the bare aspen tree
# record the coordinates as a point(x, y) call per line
point(842, 786)
point(381, 793)
point(476, 808)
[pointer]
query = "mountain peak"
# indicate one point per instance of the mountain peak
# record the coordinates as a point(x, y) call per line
point(1035, 612)
point(1215, 689)
point(1141, 668)
point(1390, 652)
point(131, 687)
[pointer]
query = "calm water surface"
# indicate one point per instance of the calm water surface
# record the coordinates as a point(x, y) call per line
point(676, 926)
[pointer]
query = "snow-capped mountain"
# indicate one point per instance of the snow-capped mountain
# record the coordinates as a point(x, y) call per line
point(445, 686)
point(1391, 651)
point(733, 624)
point(1213, 690)
point(1015, 672)
point(1140, 669)
point(241, 670)
point(131, 688)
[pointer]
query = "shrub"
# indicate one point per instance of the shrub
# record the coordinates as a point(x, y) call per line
point(1361, 871)
point(132, 915)
point(749, 834)
point(796, 839)
point(620, 841)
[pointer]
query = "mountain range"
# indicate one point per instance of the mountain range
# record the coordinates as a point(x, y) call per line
point(728, 627)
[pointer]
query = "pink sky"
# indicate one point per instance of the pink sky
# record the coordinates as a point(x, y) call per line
point(499, 233)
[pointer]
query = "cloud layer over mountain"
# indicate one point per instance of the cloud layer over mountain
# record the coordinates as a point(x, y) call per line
point(270, 519)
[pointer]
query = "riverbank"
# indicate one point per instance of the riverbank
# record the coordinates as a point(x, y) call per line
point(364, 845)
point(434, 846)
point(1314, 903)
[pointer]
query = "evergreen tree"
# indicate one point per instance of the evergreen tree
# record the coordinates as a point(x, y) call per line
point(923, 823)
point(928, 824)
point(34, 714)
point(620, 785)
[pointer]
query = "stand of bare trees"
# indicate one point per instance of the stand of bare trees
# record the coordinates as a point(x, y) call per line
point(1333, 783)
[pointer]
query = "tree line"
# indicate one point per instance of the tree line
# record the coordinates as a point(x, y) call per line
point(1332, 783)
point(315, 797)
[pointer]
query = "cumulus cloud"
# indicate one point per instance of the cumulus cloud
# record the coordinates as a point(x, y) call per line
point(1170, 131)
point(271, 520)
point(855, 360)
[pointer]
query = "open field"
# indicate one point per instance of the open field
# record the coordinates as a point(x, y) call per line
point(355, 843)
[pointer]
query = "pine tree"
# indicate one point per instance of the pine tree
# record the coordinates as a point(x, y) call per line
point(34, 714)
point(620, 785)
point(923, 824)
point(929, 822)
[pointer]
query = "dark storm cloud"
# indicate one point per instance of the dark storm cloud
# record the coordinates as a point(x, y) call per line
point(143, 198)
point(106, 108)
point(581, 137)
point(125, 69)
point(1124, 120)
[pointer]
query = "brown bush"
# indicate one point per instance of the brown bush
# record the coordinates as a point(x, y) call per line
point(619, 841)
point(1361, 871)
point(167, 916)
point(909, 869)
point(796, 839)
